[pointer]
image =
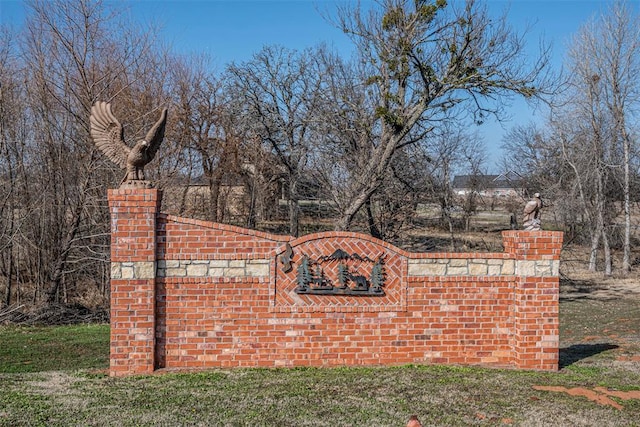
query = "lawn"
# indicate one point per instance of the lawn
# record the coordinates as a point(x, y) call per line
point(56, 376)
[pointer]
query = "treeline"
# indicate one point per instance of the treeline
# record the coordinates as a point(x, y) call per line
point(368, 137)
point(585, 156)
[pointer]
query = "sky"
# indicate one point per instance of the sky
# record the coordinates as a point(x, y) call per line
point(233, 30)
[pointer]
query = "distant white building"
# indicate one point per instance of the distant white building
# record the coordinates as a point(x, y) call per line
point(509, 184)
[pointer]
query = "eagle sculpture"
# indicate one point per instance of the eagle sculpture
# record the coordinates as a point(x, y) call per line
point(531, 213)
point(108, 135)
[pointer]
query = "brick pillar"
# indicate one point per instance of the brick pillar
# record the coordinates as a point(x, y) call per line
point(537, 289)
point(133, 268)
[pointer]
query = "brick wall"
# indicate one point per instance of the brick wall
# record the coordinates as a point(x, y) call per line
point(193, 294)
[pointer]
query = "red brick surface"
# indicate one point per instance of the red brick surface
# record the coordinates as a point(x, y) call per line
point(319, 245)
point(133, 239)
point(208, 322)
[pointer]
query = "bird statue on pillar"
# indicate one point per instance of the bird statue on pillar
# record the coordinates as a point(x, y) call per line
point(531, 221)
point(108, 134)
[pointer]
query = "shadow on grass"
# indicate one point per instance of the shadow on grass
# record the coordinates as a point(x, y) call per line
point(575, 353)
point(577, 290)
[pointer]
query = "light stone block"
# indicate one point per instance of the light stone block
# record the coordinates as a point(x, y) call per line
point(176, 272)
point(555, 267)
point(197, 270)
point(234, 272)
point(172, 263)
point(543, 269)
point(526, 268)
point(257, 270)
point(494, 270)
point(127, 272)
point(116, 270)
point(508, 267)
point(427, 269)
point(144, 270)
point(457, 271)
point(216, 272)
point(218, 263)
point(458, 263)
point(478, 269)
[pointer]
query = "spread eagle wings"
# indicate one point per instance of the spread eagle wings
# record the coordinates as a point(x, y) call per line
point(156, 135)
point(108, 134)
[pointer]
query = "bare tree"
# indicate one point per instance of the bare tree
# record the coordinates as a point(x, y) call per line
point(594, 126)
point(536, 152)
point(582, 131)
point(76, 53)
point(446, 158)
point(204, 130)
point(453, 149)
point(582, 140)
point(614, 46)
point(11, 165)
point(423, 59)
point(278, 89)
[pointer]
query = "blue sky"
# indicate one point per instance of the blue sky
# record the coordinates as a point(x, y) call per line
point(233, 30)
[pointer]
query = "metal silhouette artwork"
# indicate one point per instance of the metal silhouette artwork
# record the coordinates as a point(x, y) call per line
point(286, 259)
point(108, 135)
point(312, 277)
point(531, 220)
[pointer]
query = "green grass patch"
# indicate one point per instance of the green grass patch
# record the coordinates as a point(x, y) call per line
point(60, 348)
point(55, 376)
point(439, 395)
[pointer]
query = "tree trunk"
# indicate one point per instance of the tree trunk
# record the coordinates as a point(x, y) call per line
point(599, 230)
point(7, 296)
point(373, 229)
point(370, 181)
point(593, 252)
point(607, 254)
point(60, 262)
point(67, 244)
point(626, 262)
point(344, 222)
point(251, 215)
point(293, 204)
point(214, 197)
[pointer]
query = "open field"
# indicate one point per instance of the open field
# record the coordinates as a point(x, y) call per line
point(57, 376)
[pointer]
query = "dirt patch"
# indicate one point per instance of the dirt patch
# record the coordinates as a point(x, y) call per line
point(599, 395)
point(625, 358)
